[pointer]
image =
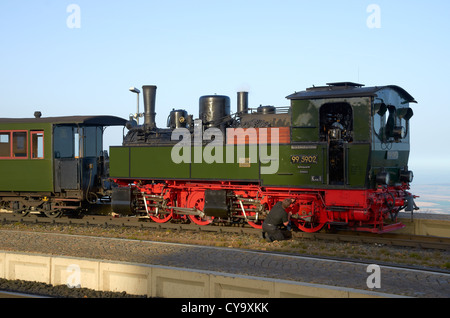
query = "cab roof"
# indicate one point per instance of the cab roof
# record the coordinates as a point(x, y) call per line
point(346, 90)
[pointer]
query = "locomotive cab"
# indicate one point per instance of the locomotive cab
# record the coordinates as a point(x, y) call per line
point(361, 133)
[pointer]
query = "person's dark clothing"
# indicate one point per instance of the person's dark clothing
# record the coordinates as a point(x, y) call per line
point(277, 216)
point(274, 223)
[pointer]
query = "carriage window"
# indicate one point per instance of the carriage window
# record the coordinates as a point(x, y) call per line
point(63, 142)
point(20, 144)
point(5, 145)
point(37, 145)
point(13, 144)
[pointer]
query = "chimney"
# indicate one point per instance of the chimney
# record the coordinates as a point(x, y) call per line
point(149, 92)
point(242, 102)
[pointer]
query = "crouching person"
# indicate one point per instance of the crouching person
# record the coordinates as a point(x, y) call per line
point(275, 225)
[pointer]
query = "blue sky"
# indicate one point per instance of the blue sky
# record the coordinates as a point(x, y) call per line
point(197, 47)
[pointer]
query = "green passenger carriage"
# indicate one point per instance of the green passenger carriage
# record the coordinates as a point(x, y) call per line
point(54, 164)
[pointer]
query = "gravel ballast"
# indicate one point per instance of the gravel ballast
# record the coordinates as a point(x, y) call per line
point(131, 245)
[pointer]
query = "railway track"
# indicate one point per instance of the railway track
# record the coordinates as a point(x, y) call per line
point(389, 239)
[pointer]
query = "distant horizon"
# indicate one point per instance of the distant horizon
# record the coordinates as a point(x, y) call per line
point(433, 198)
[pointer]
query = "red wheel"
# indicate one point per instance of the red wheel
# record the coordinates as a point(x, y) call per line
point(251, 211)
point(256, 225)
point(309, 227)
point(160, 215)
point(197, 200)
point(306, 219)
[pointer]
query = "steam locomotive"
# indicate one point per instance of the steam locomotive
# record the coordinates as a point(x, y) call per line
point(340, 150)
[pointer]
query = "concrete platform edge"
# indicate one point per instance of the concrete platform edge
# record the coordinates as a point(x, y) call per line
point(426, 227)
point(161, 281)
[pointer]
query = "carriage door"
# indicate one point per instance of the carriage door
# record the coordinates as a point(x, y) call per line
point(336, 126)
point(66, 147)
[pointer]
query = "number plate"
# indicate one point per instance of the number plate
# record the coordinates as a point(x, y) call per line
point(304, 159)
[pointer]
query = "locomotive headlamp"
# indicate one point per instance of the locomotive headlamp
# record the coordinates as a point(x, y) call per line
point(134, 90)
point(383, 177)
point(406, 176)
